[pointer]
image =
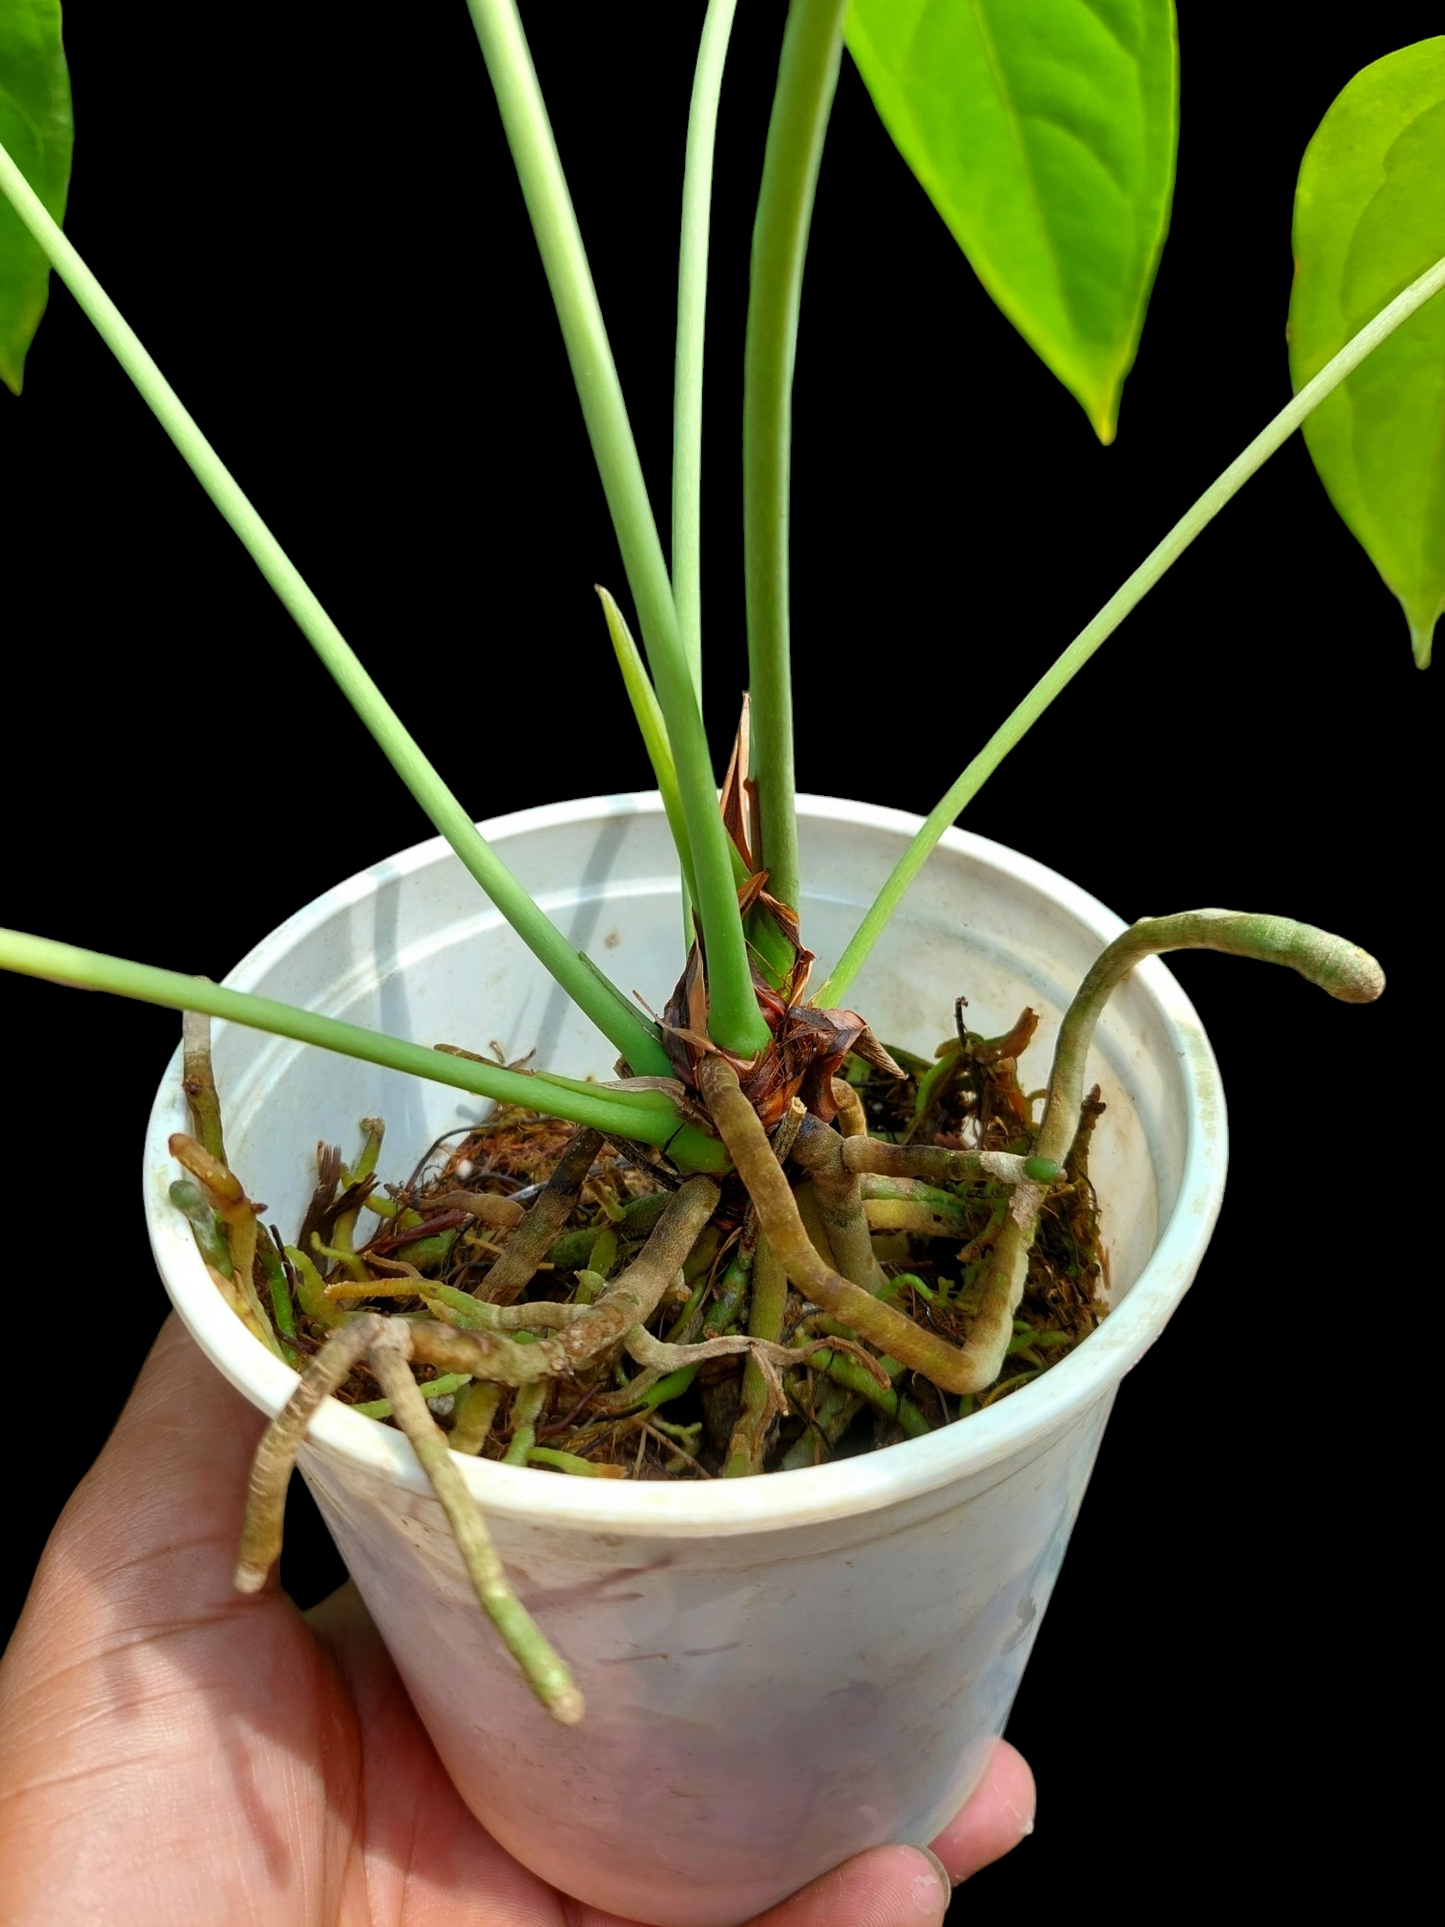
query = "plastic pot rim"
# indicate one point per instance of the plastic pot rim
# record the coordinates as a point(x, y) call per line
point(774, 1502)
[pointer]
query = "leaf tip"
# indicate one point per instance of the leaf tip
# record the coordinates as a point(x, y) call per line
point(1104, 420)
point(1422, 635)
point(1102, 408)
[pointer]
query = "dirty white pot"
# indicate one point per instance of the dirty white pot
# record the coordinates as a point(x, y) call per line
point(778, 1671)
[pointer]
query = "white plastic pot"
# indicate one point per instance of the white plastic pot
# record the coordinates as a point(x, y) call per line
point(778, 1671)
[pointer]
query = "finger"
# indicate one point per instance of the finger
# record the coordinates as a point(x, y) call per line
point(898, 1886)
point(999, 1813)
point(885, 1887)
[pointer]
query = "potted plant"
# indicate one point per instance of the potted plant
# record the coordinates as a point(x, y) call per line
point(1018, 839)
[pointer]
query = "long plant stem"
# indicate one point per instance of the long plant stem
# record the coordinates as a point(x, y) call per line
point(735, 1021)
point(1161, 558)
point(712, 51)
point(648, 1117)
point(618, 1020)
point(807, 78)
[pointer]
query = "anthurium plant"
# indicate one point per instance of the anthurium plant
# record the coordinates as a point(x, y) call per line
point(1045, 141)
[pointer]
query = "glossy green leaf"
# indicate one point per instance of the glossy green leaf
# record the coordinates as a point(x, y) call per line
point(36, 128)
point(1369, 217)
point(1044, 132)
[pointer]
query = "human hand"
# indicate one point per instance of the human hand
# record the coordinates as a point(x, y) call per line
point(174, 1754)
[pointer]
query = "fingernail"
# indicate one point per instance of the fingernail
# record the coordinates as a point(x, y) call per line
point(945, 1879)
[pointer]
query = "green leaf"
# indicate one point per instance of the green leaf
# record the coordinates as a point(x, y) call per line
point(36, 128)
point(1044, 132)
point(1369, 217)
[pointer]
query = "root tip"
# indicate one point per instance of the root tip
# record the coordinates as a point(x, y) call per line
point(1364, 981)
point(566, 1706)
point(251, 1578)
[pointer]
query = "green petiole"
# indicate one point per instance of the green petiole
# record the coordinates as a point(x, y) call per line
point(1155, 564)
point(649, 1117)
point(618, 1020)
point(734, 1020)
point(807, 78)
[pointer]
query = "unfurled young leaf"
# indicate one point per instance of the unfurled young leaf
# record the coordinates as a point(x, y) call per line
point(1369, 219)
point(36, 129)
point(1044, 132)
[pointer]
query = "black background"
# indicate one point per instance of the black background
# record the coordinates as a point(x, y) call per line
point(320, 240)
